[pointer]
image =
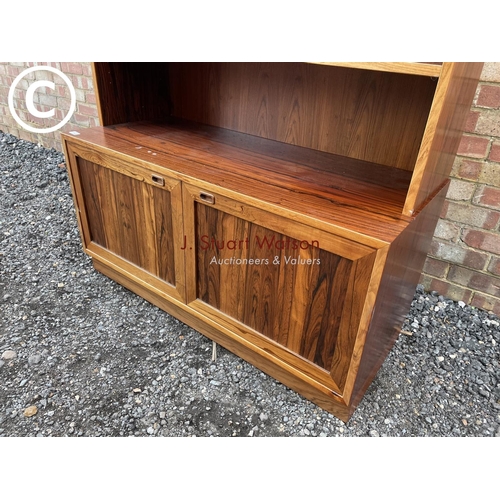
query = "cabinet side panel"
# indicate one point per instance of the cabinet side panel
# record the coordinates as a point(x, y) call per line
point(443, 133)
point(400, 277)
point(131, 91)
point(369, 115)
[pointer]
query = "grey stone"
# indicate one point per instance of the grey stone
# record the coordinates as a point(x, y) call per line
point(9, 355)
point(34, 359)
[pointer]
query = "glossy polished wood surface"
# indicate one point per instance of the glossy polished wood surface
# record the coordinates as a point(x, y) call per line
point(373, 116)
point(447, 117)
point(343, 164)
point(131, 91)
point(130, 218)
point(328, 189)
point(404, 264)
point(289, 290)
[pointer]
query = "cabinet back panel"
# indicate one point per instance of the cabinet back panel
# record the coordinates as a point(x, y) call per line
point(298, 305)
point(129, 218)
point(369, 115)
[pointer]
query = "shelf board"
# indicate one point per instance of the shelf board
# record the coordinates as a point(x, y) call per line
point(410, 68)
point(357, 195)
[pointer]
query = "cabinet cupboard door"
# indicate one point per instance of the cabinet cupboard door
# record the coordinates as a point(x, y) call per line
point(130, 218)
point(299, 295)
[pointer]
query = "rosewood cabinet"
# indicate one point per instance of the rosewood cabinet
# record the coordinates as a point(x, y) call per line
point(282, 209)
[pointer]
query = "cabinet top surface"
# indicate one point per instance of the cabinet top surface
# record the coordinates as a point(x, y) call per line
point(359, 196)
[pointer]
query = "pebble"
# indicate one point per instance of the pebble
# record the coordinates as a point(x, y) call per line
point(34, 359)
point(30, 411)
point(9, 355)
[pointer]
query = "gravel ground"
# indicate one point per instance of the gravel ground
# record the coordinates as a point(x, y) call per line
point(82, 356)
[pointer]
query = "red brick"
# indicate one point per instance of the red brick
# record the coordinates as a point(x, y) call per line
point(72, 67)
point(23, 134)
point(486, 302)
point(60, 114)
point(471, 215)
point(494, 266)
point(90, 98)
point(87, 69)
point(487, 196)
point(81, 120)
point(450, 290)
point(437, 268)
point(13, 71)
point(458, 255)
point(82, 82)
point(475, 280)
point(474, 147)
point(87, 110)
point(470, 124)
point(7, 81)
point(482, 240)
point(489, 96)
point(444, 209)
point(63, 103)
point(495, 152)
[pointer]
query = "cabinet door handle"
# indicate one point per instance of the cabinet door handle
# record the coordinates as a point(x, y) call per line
point(207, 198)
point(157, 179)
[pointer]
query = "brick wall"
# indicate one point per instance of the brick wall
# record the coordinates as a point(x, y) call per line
point(464, 260)
point(85, 114)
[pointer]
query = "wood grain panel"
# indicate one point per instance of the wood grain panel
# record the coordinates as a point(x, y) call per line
point(131, 91)
point(298, 305)
point(368, 115)
point(130, 218)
